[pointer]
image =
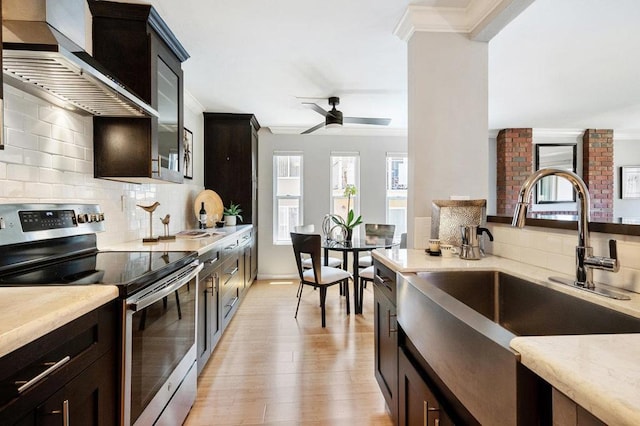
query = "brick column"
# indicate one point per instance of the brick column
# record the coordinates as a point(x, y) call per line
point(597, 171)
point(514, 163)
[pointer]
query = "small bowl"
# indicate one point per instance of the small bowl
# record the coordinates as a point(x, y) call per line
point(219, 224)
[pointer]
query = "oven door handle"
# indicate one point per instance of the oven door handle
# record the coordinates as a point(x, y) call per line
point(157, 295)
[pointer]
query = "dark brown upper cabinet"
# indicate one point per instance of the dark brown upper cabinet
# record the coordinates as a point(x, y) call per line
point(136, 45)
point(231, 160)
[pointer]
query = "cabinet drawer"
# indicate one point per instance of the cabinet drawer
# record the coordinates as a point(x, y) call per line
point(64, 352)
point(385, 281)
point(211, 260)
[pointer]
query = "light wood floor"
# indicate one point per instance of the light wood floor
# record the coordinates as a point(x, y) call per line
point(270, 368)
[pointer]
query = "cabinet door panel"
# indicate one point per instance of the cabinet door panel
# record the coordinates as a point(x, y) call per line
point(386, 347)
point(417, 404)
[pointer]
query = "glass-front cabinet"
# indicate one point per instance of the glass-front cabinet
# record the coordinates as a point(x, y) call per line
point(137, 47)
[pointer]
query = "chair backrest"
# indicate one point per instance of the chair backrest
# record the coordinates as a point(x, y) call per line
point(378, 232)
point(304, 229)
point(307, 244)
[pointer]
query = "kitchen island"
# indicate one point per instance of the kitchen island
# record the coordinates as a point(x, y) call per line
point(598, 372)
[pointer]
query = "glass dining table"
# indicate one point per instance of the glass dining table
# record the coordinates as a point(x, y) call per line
point(356, 246)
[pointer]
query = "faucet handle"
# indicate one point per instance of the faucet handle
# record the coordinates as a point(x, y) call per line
point(602, 262)
point(613, 249)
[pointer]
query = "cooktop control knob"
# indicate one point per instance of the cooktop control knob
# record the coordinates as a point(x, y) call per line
point(83, 218)
point(2, 224)
point(100, 217)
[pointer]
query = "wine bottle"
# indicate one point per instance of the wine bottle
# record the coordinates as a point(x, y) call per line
point(203, 216)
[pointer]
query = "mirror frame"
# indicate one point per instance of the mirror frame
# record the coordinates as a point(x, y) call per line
point(574, 165)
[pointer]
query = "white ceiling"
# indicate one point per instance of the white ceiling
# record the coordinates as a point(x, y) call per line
point(560, 64)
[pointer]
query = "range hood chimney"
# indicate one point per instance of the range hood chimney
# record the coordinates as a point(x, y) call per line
point(40, 60)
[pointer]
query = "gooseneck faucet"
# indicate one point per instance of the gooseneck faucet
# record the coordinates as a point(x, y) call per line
point(585, 261)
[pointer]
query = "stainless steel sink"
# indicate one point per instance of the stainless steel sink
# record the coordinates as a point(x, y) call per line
point(461, 323)
point(528, 309)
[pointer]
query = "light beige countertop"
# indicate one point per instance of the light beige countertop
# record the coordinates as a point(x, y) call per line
point(201, 244)
point(599, 372)
point(27, 313)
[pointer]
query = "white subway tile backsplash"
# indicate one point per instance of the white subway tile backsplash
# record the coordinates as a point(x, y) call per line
point(83, 139)
point(12, 189)
point(73, 151)
point(38, 190)
point(50, 176)
point(83, 166)
point(539, 253)
point(63, 163)
point(51, 146)
point(36, 158)
point(37, 127)
point(48, 157)
point(22, 173)
point(61, 118)
point(15, 101)
point(21, 139)
point(13, 120)
point(62, 134)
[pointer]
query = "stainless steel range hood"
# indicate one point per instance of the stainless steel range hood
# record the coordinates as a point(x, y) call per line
point(39, 59)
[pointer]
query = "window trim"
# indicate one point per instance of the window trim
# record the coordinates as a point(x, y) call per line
point(276, 197)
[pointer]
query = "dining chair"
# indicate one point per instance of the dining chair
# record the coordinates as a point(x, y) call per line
point(306, 263)
point(320, 277)
point(374, 232)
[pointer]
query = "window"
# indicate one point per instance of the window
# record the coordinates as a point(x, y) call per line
point(397, 180)
point(345, 170)
point(287, 176)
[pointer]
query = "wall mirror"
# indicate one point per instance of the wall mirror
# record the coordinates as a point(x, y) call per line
point(553, 189)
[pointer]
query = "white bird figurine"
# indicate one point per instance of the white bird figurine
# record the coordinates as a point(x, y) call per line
point(165, 221)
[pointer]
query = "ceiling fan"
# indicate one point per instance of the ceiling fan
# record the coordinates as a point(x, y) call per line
point(334, 118)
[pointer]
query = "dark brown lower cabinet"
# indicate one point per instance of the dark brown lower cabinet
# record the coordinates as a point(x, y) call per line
point(89, 399)
point(386, 349)
point(417, 405)
point(81, 387)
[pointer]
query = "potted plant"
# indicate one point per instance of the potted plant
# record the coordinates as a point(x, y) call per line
point(351, 221)
point(231, 213)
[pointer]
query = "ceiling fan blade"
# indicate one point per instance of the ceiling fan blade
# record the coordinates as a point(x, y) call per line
point(313, 129)
point(367, 120)
point(316, 108)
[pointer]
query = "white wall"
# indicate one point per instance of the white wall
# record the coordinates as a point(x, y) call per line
point(448, 124)
point(277, 260)
point(48, 157)
point(626, 152)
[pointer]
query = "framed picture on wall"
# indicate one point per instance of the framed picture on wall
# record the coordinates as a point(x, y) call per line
point(187, 162)
point(629, 182)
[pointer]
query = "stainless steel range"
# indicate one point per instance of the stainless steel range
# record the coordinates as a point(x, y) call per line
point(55, 244)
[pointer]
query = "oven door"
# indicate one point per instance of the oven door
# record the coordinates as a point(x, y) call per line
point(159, 348)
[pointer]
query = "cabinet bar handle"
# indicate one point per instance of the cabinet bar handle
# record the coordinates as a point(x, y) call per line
point(230, 305)
point(53, 367)
point(391, 330)
point(424, 412)
point(64, 412)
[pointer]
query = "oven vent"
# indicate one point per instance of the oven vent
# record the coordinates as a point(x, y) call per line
point(39, 59)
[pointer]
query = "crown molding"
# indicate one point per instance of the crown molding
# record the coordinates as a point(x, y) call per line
point(476, 18)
